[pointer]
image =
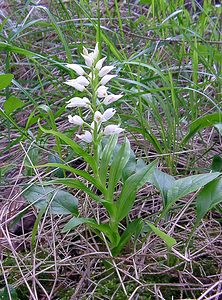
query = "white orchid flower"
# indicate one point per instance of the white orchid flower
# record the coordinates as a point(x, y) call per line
point(86, 137)
point(78, 69)
point(112, 129)
point(77, 120)
point(111, 98)
point(105, 70)
point(107, 78)
point(76, 85)
point(102, 91)
point(98, 117)
point(108, 114)
point(78, 102)
point(90, 58)
point(82, 80)
point(99, 63)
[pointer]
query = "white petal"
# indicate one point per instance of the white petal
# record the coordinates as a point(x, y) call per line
point(98, 117)
point(102, 91)
point(111, 98)
point(108, 114)
point(96, 52)
point(77, 120)
point(107, 78)
point(112, 129)
point(78, 102)
point(105, 70)
point(82, 80)
point(99, 63)
point(85, 51)
point(75, 84)
point(88, 60)
point(86, 137)
point(78, 69)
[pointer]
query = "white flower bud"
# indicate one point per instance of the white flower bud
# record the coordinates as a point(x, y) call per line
point(77, 120)
point(88, 60)
point(108, 114)
point(111, 98)
point(76, 85)
point(102, 91)
point(78, 69)
point(78, 102)
point(86, 137)
point(99, 63)
point(95, 53)
point(112, 129)
point(105, 70)
point(82, 80)
point(107, 78)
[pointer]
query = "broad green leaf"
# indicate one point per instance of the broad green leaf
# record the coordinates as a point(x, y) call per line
point(76, 148)
point(163, 182)
point(203, 122)
point(5, 80)
point(170, 242)
point(73, 223)
point(60, 202)
point(81, 173)
point(185, 186)
point(134, 227)
point(12, 103)
point(106, 157)
point(219, 128)
point(130, 188)
point(76, 184)
point(104, 228)
point(216, 164)
point(210, 196)
point(116, 168)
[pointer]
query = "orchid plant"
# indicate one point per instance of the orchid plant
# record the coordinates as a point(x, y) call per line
point(112, 169)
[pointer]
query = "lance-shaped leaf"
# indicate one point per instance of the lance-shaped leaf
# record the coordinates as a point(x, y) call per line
point(165, 237)
point(130, 188)
point(116, 168)
point(76, 148)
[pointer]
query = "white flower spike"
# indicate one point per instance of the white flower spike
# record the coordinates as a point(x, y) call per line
point(77, 120)
point(78, 69)
point(105, 70)
point(102, 91)
point(107, 78)
point(78, 102)
point(86, 137)
point(111, 98)
point(112, 129)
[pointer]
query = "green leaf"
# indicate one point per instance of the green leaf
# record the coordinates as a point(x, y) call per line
point(116, 168)
point(210, 196)
point(106, 157)
point(185, 186)
point(134, 227)
point(163, 182)
point(5, 80)
point(12, 103)
point(170, 242)
point(60, 202)
point(4, 294)
point(200, 123)
point(130, 188)
point(219, 128)
point(216, 164)
point(76, 148)
point(73, 223)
